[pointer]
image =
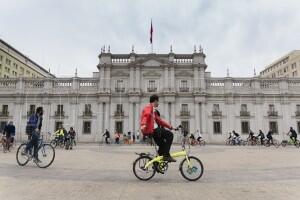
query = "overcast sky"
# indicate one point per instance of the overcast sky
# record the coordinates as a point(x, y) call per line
point(66, 34)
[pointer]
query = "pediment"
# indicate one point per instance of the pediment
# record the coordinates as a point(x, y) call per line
point(184, 73)
point(152, 73)
point(119, 73)
point(151, 63)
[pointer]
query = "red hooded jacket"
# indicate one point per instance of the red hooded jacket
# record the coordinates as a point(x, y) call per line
point(148, 118)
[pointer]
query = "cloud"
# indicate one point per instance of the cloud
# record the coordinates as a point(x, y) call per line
point(235, 34)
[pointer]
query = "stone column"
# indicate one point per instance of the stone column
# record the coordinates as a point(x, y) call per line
point(107, 78)
point(166, 81)
point(202, 79)
point(173, 122)
point(131, 78)
point(130, 116)
point(101, 78)
point(138, 78)
point(137, 116)
point(196, 78)
point(197, 116)
point(172, 79)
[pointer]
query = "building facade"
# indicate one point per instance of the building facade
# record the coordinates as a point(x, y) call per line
point(14, 64)
point(115, 96)
point(286, 66)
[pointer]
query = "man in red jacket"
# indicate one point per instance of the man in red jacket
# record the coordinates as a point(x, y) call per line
point(153, 125)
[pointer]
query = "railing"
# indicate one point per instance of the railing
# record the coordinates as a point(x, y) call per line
point(87, 113)
point(119, 113)
point(121, 90)
point(8, 83)
point(152, 89)
point(34, 84)
point(62, 83)
point(272, 113)
point(244, 113)
point(4, 114)
point(59, 113)
point(88, 84)
point(183, 89)
point(183, 60)
point(216, 113)
point(120, 60)
point(184, 113)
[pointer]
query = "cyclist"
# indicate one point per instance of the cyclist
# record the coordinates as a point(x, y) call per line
point(199, 135)
point(9, 132)
point(293, 134)
point(33, 129)
point(107, 136)
point(153, 125)
point(72, 133)
point(237, 138)
point(251, 136)
point(270, 136)
point(60, 134)
point(261, 135)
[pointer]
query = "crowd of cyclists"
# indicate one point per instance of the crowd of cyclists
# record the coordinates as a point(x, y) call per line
point(262, 139)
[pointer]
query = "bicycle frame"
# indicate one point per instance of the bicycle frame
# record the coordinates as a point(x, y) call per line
point(159, 159)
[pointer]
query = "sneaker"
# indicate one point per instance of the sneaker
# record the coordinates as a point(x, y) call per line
point(169, 159)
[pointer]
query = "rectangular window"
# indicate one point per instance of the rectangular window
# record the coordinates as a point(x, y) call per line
point(274, 127)
point(216, 107)
point(152, 86)
point(58, 124)
point(5, 109)
point(245, 127)
point(2, 126)
point(86, 127)
point(119, 83)
point(184, 107)
point(119, 107)
point(244, 107)
point(185, 126)
point(298, 107)
point(271, 108)
point(87, 108)
point(7, 61)
point(60, 110)
point(31, 110)
point(184, 84)
point(1, 57)
point(298, 127)
point(217, 127)
point(119, 126)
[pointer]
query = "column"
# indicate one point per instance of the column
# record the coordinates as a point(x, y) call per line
point(130, 113)
point(131, 78)
point(101, 78)
point(202, 83)
point(138, 81)
point(107, 78)
point(100, 121)
point(166, 81)
point(172, 78)
point(196, 77)
point(137, 116)
point(204, 118)
point(166, 111)
point(200, 118)
point(197, 116)
point(18, 122)
point(173, 122)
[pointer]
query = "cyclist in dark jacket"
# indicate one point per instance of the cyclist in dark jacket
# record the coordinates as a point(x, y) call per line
point(261, 135)
point(293, 134)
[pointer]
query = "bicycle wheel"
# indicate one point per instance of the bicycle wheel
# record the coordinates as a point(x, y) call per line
point(46, 155)
point(193, 172)
point(297, 143)
point(202, 143)
point(22, 160)
point(140, 172)
point(276, 143)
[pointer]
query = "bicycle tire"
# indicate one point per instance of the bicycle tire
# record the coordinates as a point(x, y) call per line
point(137, 162)
point(19, 151)
point(52, 159)
point(182, 171)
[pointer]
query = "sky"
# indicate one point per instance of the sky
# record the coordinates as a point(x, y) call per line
point(238, 35)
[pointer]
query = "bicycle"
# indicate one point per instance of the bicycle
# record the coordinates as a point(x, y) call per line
point(57, 141)
point(6, 144)
point(200, 142)
point(268, 143)
point(146, 165)
point(46, 154)
point(290, 142)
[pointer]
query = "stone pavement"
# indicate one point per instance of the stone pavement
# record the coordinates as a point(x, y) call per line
point(105, 172)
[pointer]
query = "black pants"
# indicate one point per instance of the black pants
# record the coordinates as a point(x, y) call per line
point(163, 138)
point(106, 140)
point(34, 142)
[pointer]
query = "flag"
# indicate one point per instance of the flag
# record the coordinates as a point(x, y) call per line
point(151, 33)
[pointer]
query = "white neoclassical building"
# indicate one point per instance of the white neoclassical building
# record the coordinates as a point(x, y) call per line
point(113, 98)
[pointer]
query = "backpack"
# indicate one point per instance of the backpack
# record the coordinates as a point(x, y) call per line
point(31, 123)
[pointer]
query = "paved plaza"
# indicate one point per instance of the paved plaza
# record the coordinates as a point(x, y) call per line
point(105, 172)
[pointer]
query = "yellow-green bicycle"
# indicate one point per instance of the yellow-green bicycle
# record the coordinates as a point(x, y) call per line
point(146, 165)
